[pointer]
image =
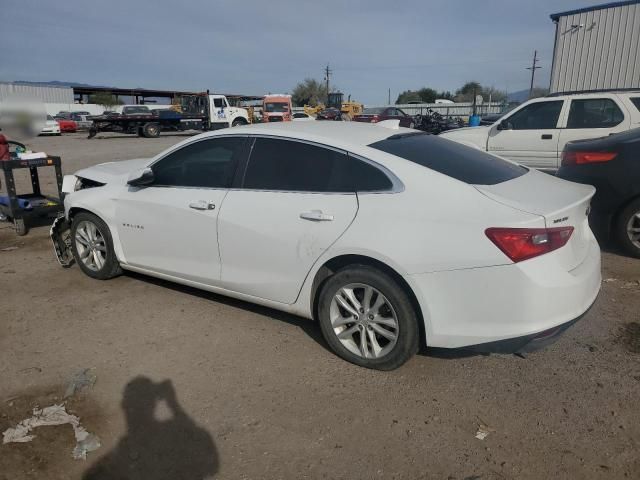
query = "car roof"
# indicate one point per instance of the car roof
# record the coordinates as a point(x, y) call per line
point(331, 133)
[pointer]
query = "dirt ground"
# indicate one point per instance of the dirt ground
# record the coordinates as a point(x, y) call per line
point(193, 385)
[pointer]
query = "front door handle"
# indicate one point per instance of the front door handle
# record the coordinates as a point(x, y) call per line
point(202, 205)
point(546, 136)
point(316, 216)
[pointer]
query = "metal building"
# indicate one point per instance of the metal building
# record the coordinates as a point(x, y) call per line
point(47, 94)
point(597, 48)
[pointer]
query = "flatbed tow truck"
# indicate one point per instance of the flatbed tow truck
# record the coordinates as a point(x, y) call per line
point(196, 112)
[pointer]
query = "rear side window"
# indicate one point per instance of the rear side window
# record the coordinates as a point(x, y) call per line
point(285, 165)
point(536, 116)
point(594, 113)
point(636, 102)
point(455, 160)
point(206, 164)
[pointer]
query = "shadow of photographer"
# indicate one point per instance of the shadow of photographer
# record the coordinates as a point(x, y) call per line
point(170, 447)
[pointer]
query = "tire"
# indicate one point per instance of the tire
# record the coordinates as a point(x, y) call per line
point(109, 266)
point(412, 125)
point(151, 130)
point(396, 307)
point(628, 219)
point(20, 227)
point(238, 122)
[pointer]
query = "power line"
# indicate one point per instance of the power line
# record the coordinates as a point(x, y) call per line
point(533, 69)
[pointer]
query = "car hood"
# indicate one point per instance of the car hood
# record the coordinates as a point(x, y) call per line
point(472, 136)
point(110, 171)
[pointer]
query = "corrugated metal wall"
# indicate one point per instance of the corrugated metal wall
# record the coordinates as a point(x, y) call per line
point(603, 53)
point(46, 94)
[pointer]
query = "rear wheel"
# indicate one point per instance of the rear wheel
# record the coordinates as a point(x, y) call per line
point(151, 130)
point(367, 318)
point(627, 228)
point(92, 247)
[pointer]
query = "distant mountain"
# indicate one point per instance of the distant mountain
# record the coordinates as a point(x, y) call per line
point(520, 96)
point(56, 83)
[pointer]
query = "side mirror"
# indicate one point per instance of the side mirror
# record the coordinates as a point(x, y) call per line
point(141, 178)
point(505, 125)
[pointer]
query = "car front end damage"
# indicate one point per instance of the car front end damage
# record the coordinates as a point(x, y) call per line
point(60, 231)
point(60, 234)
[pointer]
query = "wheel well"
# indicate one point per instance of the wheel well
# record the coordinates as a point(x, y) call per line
point(240, 120)
point(342, 261)
point(73, 211)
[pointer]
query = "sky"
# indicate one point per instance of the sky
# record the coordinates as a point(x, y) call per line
point(256, 47)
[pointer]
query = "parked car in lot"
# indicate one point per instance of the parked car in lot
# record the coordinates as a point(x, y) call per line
point(329, 114)
point(612, 165)
point(67, 125)
point(379, 114)
point(51, 127)
point(389, 237)
point(302, 117)
point(535, 133)
point(82, 121)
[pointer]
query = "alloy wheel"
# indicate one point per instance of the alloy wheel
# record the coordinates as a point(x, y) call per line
point(364, 320)
point(91, 246)
point(633, 229)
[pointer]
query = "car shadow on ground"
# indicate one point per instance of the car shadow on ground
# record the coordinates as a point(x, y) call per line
point(308, 326)
point(100, 136)
point(170, 447)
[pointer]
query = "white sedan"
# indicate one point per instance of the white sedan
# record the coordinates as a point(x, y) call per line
point(390, 238)
point(51, 127)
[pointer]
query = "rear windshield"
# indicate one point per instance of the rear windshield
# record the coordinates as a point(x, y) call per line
point(458, 161)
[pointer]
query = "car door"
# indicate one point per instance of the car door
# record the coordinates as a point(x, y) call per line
point(286, 214)
point(593, 118)
point(405, 120)
point(529, 135)
point(170, 227)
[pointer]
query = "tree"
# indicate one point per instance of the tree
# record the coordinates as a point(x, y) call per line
point(309, 92)
point(105, 99)
point(467, 91)
point(424, 95)
point(408, 96)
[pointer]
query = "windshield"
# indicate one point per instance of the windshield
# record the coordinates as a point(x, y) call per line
point(373, 111)
point(276, 107)
point(455, 160)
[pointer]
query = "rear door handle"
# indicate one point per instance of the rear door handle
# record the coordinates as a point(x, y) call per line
point(316, 216)
point(202, 205)
point(546, 136)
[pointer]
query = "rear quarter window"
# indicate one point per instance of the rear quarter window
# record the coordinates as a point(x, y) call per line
point(467, 164)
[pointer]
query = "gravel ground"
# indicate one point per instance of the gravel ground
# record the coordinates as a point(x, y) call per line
point(192, 384)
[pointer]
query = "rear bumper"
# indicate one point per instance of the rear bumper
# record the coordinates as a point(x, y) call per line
point(526, 343)
point(508, 303)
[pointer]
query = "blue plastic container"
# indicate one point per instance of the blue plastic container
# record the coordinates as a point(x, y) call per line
point(474, 120)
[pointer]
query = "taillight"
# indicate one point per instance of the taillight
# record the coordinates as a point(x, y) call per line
point(375, 119)
point(581, 158)
point(523, 243)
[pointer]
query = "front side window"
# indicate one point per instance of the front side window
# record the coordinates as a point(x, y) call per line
point(205, 164)
point(286, 165)
point(217, 102)
point(636, 102)
point(594, 113)
point(536, 116)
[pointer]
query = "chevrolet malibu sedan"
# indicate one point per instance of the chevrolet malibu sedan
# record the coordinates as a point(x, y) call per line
point(390, 238)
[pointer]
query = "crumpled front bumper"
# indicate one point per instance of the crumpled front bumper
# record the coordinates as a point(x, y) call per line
point(60, 234)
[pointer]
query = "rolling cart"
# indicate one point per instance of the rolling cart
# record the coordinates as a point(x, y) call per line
point(34, 208)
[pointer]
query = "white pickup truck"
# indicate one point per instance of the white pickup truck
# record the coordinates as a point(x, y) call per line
point(535, 133)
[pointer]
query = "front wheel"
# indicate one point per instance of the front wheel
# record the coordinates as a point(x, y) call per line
point(627, 228)
point(92, 247)
point(238, 122)
point(367, 318)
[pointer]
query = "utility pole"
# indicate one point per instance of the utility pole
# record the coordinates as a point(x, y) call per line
point(327, 74)
point(533, 69)
point(389, 101)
